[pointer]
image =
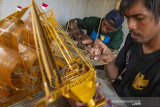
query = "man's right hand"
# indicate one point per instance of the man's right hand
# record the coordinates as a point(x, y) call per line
point(98, 95)
point(74, 31)
point(72, 25)
point(75, 34)
point(100, 52)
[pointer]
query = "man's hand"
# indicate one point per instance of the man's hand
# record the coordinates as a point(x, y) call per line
point(75, 34)
point(72, 24)
point(74, 31)
point(103, 54)
point(98, 95)
point(86, 39)
point(100, 52)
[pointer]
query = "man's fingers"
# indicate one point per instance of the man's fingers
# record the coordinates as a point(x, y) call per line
point(97, 51)
point(80, 36)
point(104, 58)
point(87, 41)
point(103, 46)
point(104, 62)
point(70, 25)
point(75, 23)
point(94, 51)
point(98, 94)
point(91, 50)
point(97, 84)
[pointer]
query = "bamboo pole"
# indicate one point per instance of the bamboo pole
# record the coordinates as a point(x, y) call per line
point(117, 4)
point(47, 57)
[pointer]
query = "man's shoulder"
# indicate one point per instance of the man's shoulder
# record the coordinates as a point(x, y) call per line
point(92, 19)
point(92, 22)
point(117, 33)
point(119, 30)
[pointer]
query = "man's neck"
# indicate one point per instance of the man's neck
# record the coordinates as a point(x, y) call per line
point(151, 46)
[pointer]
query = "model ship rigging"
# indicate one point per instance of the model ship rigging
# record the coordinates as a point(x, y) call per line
point(31, 52)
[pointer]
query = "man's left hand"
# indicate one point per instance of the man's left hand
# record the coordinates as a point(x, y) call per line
point(86, 39)
point(100, 52)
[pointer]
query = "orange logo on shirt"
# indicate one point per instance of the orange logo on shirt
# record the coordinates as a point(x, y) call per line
point(139, 82)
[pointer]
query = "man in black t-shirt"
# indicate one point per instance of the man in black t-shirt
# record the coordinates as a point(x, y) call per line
point(139, 58)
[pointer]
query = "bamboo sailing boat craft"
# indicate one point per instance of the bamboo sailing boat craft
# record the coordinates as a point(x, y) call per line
point(19, 69)
point(71, 76)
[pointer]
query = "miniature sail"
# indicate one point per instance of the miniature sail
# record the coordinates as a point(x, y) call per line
point(17, 14)
point(27, 33)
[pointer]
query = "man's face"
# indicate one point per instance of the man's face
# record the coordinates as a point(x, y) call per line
point(106, 27)
point(141, 23)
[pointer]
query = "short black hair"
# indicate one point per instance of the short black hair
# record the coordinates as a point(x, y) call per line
point(153, 5)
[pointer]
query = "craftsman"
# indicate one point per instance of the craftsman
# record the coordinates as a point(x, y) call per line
point(110, 30)
point(139, 58)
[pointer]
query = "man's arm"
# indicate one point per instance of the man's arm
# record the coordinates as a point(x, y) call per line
point(111, 71)
point(113, 67)
point(120, 64)
point(87, 23)
point(104, 55)
point(77, 22)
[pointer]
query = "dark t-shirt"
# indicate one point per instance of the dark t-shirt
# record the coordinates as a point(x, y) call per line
point(142, 75)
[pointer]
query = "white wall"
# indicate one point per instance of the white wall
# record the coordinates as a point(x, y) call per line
point(95, 7)
point(61, 8)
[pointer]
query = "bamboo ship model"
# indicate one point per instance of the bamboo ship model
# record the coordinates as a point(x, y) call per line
point(31, 54)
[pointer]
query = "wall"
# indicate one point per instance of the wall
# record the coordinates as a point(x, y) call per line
point(95, 7)
point(61, 8)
